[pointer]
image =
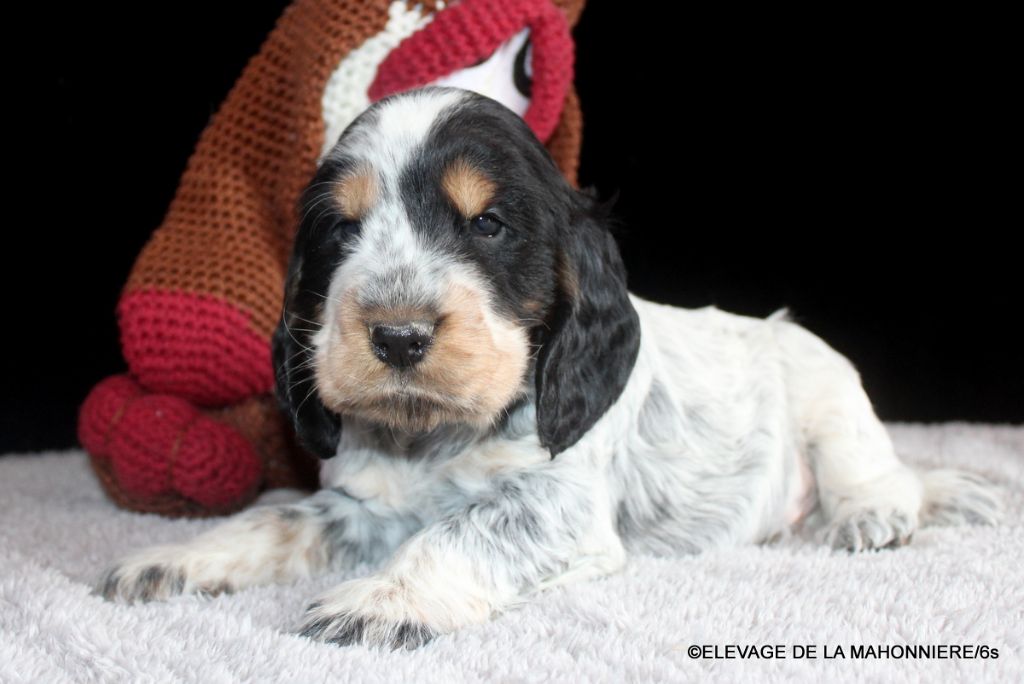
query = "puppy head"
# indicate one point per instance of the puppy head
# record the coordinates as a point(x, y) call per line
point(444, 269)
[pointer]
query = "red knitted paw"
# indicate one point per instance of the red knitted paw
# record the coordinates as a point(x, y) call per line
point(102, 410)
point(161, 445)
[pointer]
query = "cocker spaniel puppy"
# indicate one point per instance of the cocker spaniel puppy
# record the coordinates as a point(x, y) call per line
point(507, 417)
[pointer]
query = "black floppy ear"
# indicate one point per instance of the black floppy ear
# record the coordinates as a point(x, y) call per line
point(317, 428)
point(594, 337)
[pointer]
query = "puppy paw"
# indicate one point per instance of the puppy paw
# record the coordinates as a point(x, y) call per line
point(371, 611)
point(871, 529)
point(141, 579)
point(155, 574)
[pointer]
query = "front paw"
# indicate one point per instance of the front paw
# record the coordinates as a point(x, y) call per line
point(371, 611)
point(155, 574)
point(151, 579)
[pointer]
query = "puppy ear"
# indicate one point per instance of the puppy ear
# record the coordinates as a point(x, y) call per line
point(317, 428)
point(589, 353)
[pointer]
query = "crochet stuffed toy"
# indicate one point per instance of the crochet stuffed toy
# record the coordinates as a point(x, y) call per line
point(193, 429)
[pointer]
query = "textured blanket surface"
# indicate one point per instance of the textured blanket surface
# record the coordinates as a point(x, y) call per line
point(951, 586)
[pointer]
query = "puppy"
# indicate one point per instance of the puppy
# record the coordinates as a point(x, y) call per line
point(507, 417)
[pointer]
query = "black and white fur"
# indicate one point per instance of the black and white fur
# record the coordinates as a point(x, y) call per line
point(591, 423)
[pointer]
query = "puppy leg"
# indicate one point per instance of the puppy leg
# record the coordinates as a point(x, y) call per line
point(260, 546)
point(868, 498)
point(501, 544)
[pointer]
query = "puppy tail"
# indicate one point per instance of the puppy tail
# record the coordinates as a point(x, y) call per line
point(954, 497)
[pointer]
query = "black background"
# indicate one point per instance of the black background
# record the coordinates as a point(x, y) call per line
point(857, 169)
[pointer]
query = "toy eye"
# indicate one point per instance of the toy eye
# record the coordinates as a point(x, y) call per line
point(348, 227)
point(486, 225)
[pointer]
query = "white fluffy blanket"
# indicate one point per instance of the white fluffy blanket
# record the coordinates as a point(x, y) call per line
point(952, 587)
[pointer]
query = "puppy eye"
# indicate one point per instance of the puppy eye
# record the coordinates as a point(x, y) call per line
point(347, 227)
point(486, 225)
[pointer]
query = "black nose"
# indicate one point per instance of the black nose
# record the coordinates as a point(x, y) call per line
point(401, 346)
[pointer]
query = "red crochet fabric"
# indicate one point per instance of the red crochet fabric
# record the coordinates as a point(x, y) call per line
point(471, 31)
point(194, 347)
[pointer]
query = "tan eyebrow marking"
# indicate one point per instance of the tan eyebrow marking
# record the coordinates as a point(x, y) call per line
point(356, 192)
point(469, 190)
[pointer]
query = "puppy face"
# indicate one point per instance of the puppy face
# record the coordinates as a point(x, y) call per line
point(433, 253)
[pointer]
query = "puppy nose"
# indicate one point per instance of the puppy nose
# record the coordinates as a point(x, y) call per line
point(401, 346)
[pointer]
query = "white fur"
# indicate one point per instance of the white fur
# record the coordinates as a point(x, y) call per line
point(729, 431)
point(746, 403)
point(345, 95)
point(749, 401)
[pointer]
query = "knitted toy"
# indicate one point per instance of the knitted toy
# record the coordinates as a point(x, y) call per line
point(192, 428)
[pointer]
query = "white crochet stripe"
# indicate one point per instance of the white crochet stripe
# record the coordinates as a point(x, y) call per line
point(345, 96)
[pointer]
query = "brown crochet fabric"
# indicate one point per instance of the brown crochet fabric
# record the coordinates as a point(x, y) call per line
point(229, 228)
point(204, 296)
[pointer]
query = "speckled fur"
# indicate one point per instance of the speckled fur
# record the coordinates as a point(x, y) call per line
point(613, 424)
